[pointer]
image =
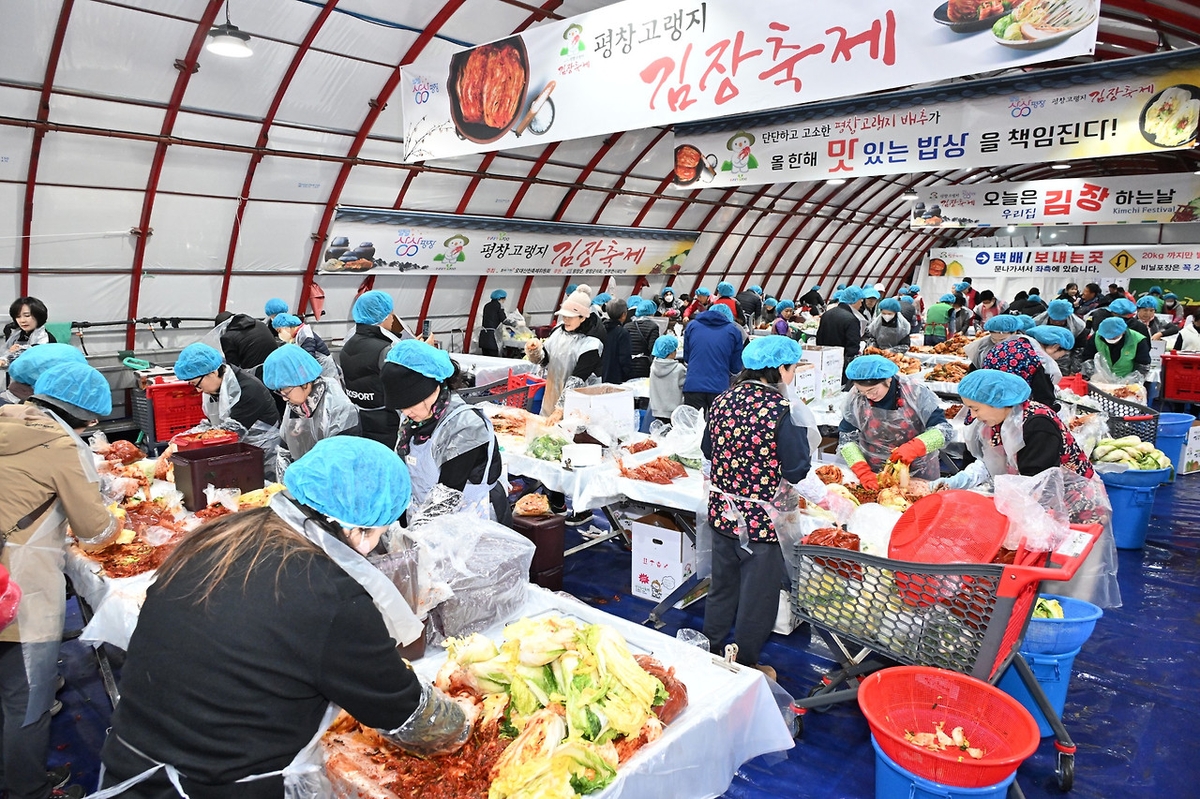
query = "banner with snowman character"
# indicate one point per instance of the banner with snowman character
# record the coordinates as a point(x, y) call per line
point(377, 240)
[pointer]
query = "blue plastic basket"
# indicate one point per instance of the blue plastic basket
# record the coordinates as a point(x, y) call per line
point(894, 782)
point(1059, 636)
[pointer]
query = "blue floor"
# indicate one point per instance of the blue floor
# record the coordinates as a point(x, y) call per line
point(1132, 708)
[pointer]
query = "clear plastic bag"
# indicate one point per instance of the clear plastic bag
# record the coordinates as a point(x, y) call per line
point(873, 524)
point(1036, 509)
point(1093, 427)
point(401, 565)
point(485, 567)
point(685, 433)
point(441, 501)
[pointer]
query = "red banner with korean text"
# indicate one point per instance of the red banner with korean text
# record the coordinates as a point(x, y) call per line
point(1146, 114)
point(642, 63)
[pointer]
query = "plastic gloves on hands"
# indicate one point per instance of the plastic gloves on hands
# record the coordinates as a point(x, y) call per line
point(973, 475)
point(865, 476)
point(437, 727)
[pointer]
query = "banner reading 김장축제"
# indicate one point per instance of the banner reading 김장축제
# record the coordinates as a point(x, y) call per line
point(1143, 114)
point(1069, 201)
point(1080, 264)
point(379, 241)
point(642, 63)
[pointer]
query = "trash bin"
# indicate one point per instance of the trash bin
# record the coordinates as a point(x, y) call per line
point(1053, 673)
point(1131, 494)
point(1172, 436)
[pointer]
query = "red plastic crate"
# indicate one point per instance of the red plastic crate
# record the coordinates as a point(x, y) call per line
point(1181, 377)
point(511, 393)
point(176, 408)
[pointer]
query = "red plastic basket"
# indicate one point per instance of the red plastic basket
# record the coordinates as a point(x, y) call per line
point(917, 698)
point(1074, 383)
point(176, 408)
point(1181, 378)
point(511, 394)
point(211, 438)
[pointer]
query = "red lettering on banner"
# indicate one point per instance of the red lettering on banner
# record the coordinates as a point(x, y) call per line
point(1091, 197)
point(870, 36)
point(841, 149)
point(788, 66)
point(678, 98)
point(727, 90)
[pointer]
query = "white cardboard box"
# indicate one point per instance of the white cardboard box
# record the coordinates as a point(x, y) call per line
point(1191, 451)
point(612, 405)
point(663, 557)
point(807, 382)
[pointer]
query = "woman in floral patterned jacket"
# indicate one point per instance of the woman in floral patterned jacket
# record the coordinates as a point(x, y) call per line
point(754, 447)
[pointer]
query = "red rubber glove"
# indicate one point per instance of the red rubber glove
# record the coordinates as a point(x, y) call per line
point(909, 451)
point(865, 475)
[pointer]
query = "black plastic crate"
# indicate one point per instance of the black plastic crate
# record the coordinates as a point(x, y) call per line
point(1126, 418)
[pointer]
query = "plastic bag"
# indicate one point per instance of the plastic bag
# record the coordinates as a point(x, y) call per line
point(484, 565)
point(225, 496)
point(441, 501)
point(1036, 509)
point(1089, 431)
point(685, 434)
point(873, 524)
point(1096, 580)
point(401, 565)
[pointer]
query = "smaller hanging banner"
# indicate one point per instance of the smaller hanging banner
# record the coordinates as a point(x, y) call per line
point(380, 241)
point(1070, 201)
point(1083, 264)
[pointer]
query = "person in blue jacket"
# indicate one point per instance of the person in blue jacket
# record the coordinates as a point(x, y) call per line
point(712, 350)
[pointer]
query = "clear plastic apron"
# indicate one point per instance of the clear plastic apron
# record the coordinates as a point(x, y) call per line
point(425, 472)
point(881, 431)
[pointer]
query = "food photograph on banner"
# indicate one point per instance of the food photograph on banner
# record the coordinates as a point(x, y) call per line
point(658, 62)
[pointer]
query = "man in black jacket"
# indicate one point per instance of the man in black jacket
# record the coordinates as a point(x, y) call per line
point(246, 341)
point(749, 303)
point(362, 360)
point(813, 299)
point(840, 326)
point(617, 360)
point(493, 317)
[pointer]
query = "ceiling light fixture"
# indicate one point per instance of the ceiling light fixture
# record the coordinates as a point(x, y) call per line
point(1012, 228)
point(1060, 166)
point(909, 196)
point(226, 40)
point(836, 181)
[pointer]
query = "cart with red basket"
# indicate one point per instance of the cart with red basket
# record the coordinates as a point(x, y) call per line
point(964, 613)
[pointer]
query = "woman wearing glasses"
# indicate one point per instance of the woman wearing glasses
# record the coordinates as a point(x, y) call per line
point(234, 399)
point(317, 407)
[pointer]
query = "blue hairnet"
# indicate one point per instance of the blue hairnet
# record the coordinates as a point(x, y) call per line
point(765, 352)
point(816, 288)
point(289, 366)
point(1112, 327)
point(1170, 295)
point(1049, 334)
point(1122, 307)
point(646, 308)
point(1059, 310)
point(837, 295)
point(962, 286)
point(422, 358)
point(725, 289)
point(372, 308)
point(906, 298)
point(665, 345)
point(1148, 302)
point(286, 320)
point(871, 367)
point(756, 290)
point(914, 288)
point(946, 298)
point(783, 306)
point(841, 286)
point(571, 288)
point(499, 294)
point(890, 304)
point(703, 292)
point(1156, 289)
point(1026, 322)
point(869, 292)
point(197, 359)
point(35, 360)
point(667, 290)
point(75, 384)
point(993, 387)
point(602, 298)
point(275, 306)
point(723, 309)
point(851, 295)
point(770, 302)
point(357, 481)
point(1004, 323)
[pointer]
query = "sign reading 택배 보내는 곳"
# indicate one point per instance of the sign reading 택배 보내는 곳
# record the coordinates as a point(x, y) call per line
point(1071, 201)
point(379, 241)
point(1144, 114)
point(643, 63)
point(1081, 264)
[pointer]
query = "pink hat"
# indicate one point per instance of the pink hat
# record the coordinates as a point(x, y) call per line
point(10, 598)
point(578, 304)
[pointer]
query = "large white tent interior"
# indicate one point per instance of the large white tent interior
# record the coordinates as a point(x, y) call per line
point(144, 177)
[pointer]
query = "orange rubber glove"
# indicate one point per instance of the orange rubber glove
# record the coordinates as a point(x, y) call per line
point(865, 475)
point(909, 451)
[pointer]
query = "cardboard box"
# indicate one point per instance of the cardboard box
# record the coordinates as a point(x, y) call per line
point(807, 382)
point(663, 557)
point(608, 404)
point(1191, 451)
point(831, 385)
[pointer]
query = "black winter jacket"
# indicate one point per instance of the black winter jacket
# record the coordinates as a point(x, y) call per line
point(362, 360)
point(247, 341)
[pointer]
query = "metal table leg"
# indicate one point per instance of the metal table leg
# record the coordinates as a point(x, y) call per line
point(106, 672)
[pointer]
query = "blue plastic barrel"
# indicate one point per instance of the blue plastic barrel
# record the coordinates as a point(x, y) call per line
point(1173, 431)
point(1131, 494)
point(1053, 673)
point(894, 782)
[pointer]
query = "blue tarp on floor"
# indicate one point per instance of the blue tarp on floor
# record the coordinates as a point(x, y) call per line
point(1132, 706)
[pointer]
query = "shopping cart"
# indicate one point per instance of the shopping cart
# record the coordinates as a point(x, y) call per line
point(874, 612)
